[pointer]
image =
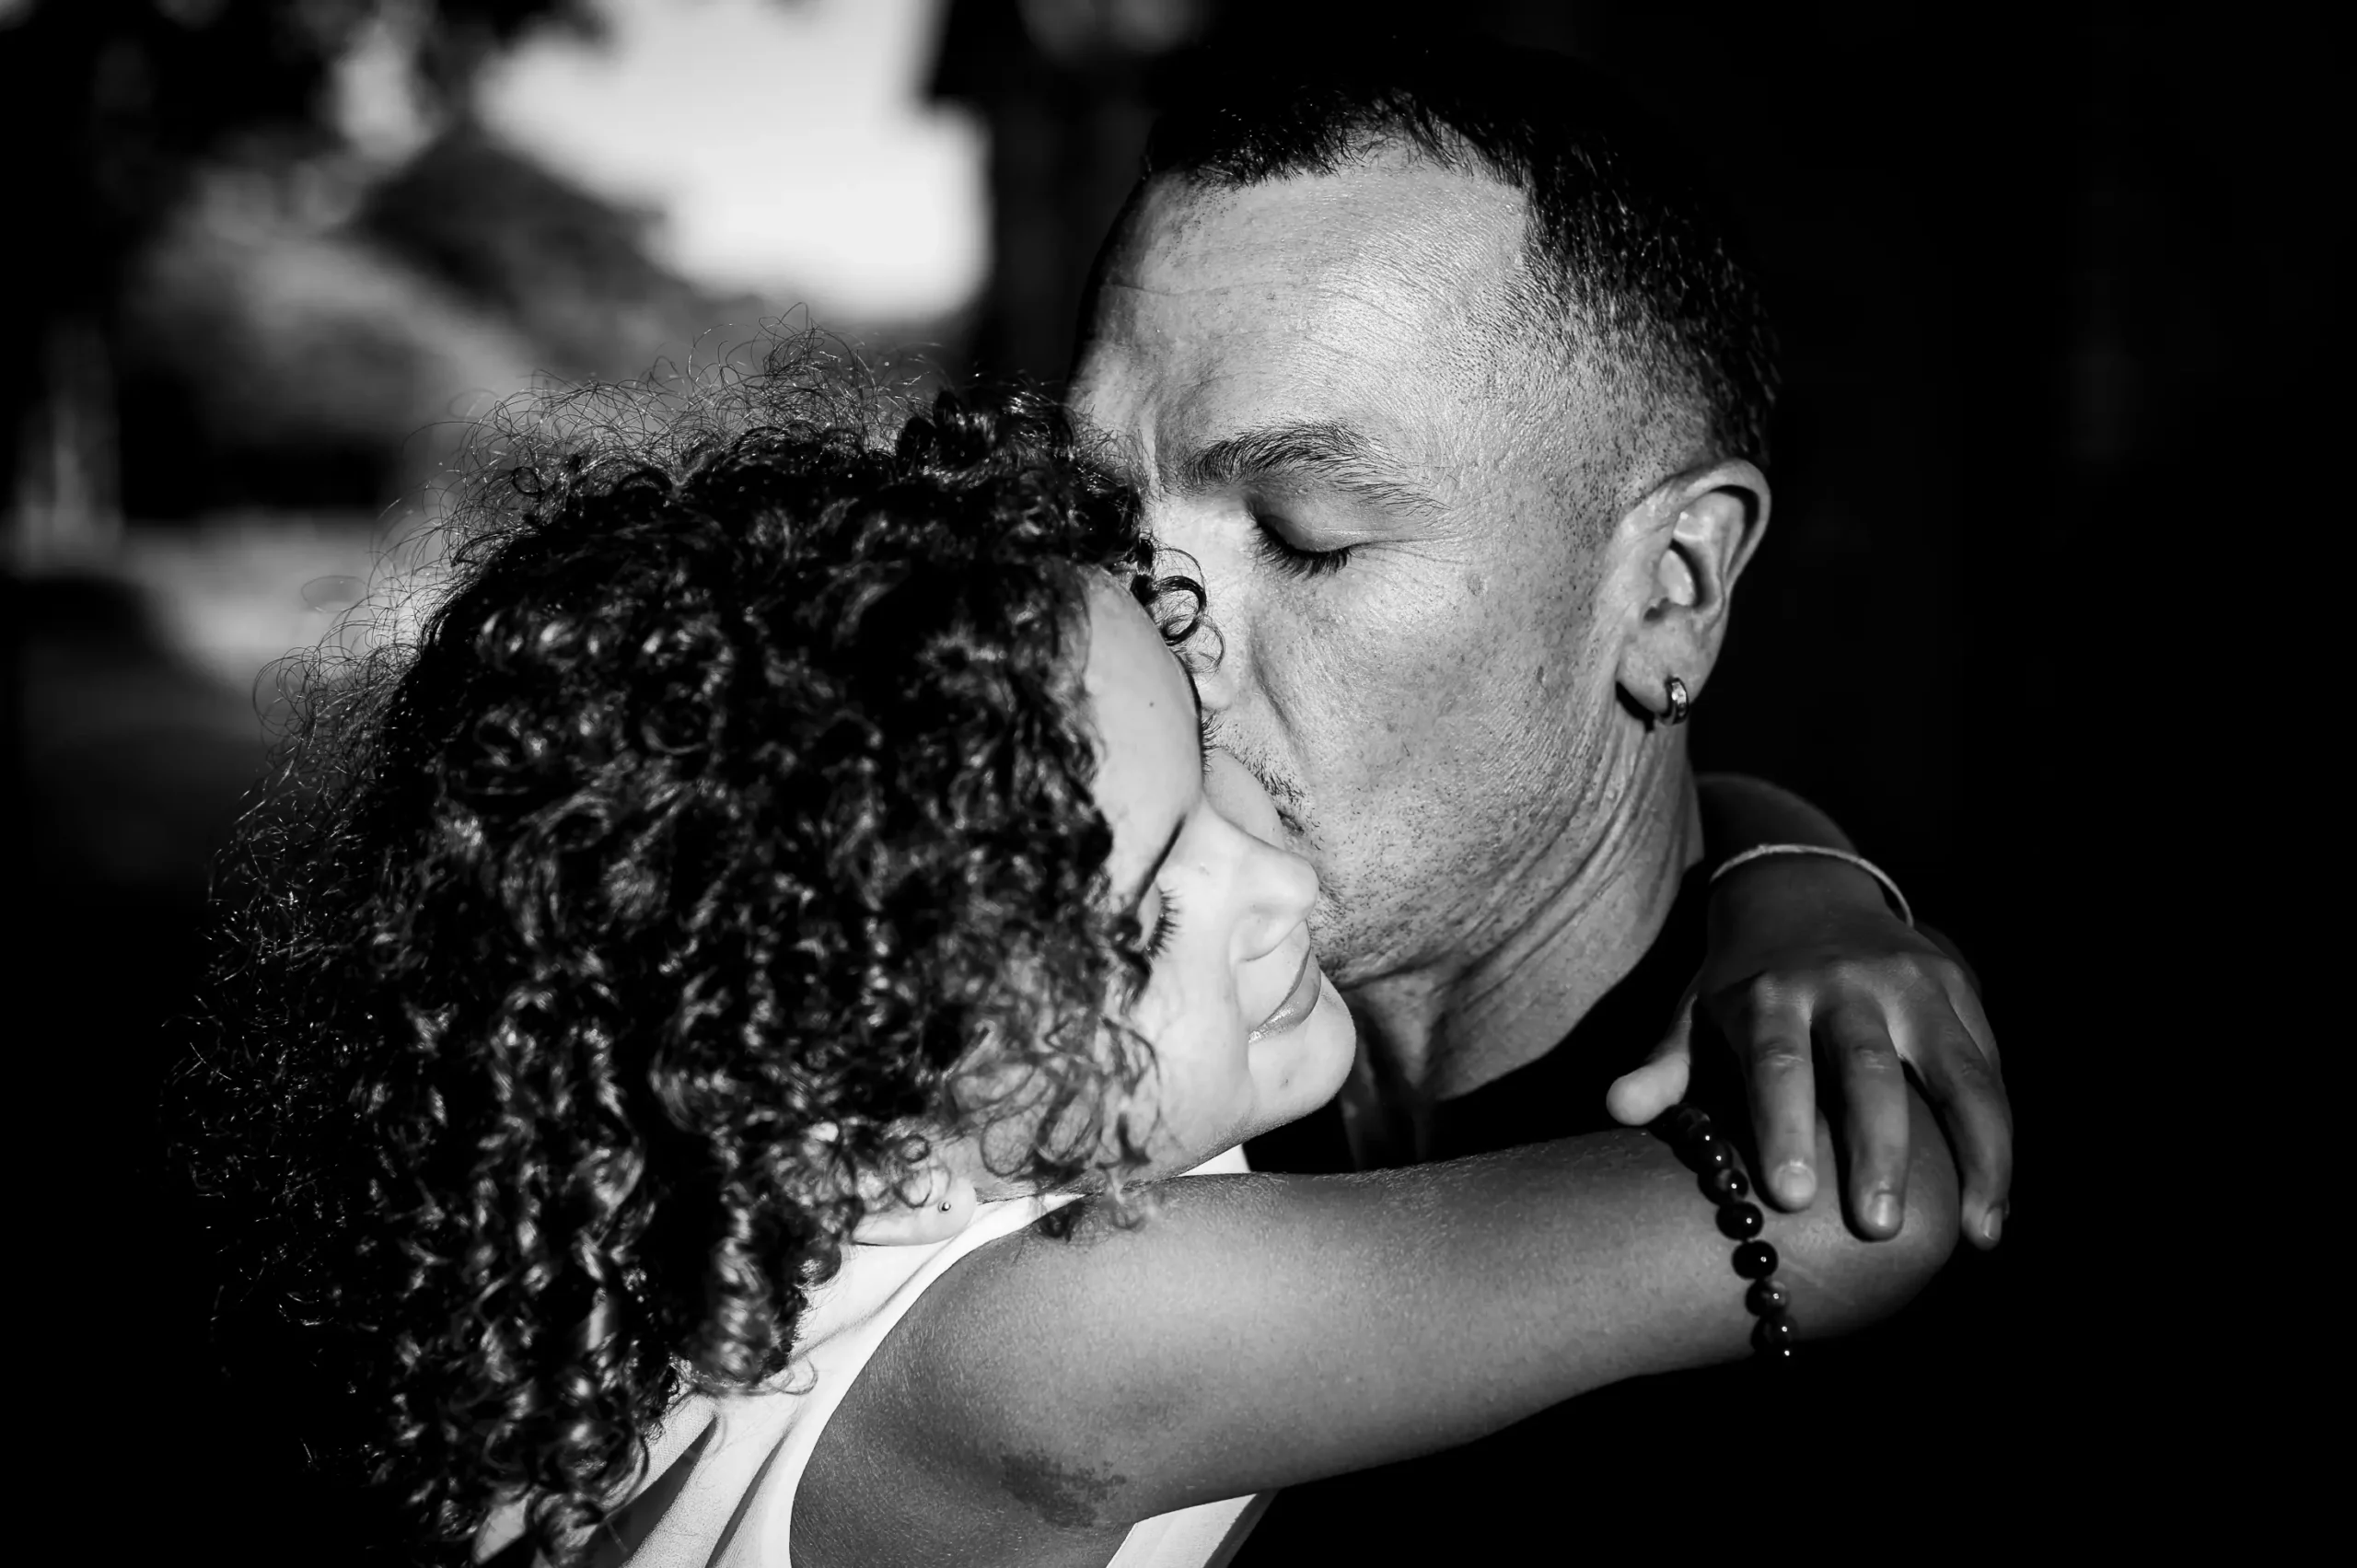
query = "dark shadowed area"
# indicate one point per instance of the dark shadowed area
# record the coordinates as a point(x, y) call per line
point(2038, 305)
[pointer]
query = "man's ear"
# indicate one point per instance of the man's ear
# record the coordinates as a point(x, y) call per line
point(1682, 548)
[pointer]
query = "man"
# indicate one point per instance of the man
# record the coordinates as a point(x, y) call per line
point(1459, 404)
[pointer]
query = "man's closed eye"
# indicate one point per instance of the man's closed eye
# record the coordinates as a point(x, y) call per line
point(1275, 549)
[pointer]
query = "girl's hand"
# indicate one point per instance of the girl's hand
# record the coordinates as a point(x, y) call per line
point(1807, 965)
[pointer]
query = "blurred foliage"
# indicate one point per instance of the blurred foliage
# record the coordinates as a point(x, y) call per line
point(126, 98)
point(569, 269)
point(243, 298)
point(125, 103)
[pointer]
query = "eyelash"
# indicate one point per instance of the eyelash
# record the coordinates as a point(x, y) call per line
point(1272, 549)
point(1166, 925)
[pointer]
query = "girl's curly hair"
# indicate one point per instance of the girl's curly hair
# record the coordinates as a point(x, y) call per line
point(592, 950)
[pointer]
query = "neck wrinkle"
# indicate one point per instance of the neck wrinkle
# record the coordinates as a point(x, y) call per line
point(1437, 1032)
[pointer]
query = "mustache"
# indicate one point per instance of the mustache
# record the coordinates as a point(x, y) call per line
point(1290, 798)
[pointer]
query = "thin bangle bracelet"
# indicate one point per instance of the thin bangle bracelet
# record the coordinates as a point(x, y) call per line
point(1761, 851)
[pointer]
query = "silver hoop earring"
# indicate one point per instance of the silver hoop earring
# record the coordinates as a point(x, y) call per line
point(1681, 704)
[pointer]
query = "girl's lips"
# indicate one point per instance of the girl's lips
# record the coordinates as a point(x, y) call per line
point(1299, 1002)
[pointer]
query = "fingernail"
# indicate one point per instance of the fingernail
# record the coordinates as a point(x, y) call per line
point(1796, 1183)
point(1882, 1212)
point(1993, 1222)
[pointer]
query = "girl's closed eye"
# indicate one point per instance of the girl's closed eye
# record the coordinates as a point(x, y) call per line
point(1166, 925)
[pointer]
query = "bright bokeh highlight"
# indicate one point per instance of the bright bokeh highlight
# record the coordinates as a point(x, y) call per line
point(786, 144)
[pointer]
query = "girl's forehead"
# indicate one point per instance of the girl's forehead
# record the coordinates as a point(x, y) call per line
point(1126, 653)
point(1142, 707)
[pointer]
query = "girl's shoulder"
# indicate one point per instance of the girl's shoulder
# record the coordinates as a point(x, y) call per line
point(955, 1431)
point(918, 1456)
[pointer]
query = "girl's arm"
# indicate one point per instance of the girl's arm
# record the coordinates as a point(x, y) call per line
point(1262, 1330)
point(1809, 963)
point(1739, 811)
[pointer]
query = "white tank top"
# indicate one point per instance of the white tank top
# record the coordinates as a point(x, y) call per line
point(731, 1503)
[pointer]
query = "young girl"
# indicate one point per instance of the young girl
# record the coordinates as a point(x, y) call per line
point(694, 1061)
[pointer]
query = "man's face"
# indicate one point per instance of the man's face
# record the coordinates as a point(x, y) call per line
point(1396, 496)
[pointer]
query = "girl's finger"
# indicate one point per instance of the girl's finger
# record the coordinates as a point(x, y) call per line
point(1636, 1098)
point(1772, 1039)
point(1967, 1090)
point(1875, 1119)
point(1968, 1012)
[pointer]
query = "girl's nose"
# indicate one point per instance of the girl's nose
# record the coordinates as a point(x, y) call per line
point(1290, 886)
point(1280, 888)
point(1278, 885)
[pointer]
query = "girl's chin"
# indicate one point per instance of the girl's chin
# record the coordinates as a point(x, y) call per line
point(1305, 1066)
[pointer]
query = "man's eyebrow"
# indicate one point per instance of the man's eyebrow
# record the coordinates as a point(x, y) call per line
point(1333, 455)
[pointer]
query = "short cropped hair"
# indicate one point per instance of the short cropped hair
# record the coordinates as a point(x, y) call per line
point(1621, 241)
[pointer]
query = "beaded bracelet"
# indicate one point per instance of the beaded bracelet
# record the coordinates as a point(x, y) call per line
point(1702, 1150)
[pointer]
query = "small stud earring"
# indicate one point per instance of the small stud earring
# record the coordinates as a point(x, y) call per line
point(945, 1205)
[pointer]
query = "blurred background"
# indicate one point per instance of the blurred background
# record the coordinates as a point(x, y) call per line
point(269, 256)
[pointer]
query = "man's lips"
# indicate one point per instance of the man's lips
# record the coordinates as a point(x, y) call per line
point(1299, 1002)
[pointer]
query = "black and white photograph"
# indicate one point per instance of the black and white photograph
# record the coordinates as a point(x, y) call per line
point(1158, 784)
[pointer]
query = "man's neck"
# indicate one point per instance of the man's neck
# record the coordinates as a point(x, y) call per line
point(1435, 1033)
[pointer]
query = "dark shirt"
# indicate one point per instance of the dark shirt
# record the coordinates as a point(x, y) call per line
point(1629, 1458)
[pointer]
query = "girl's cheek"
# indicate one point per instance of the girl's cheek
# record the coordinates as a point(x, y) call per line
point(1191, 986)
point(1163, 1007)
